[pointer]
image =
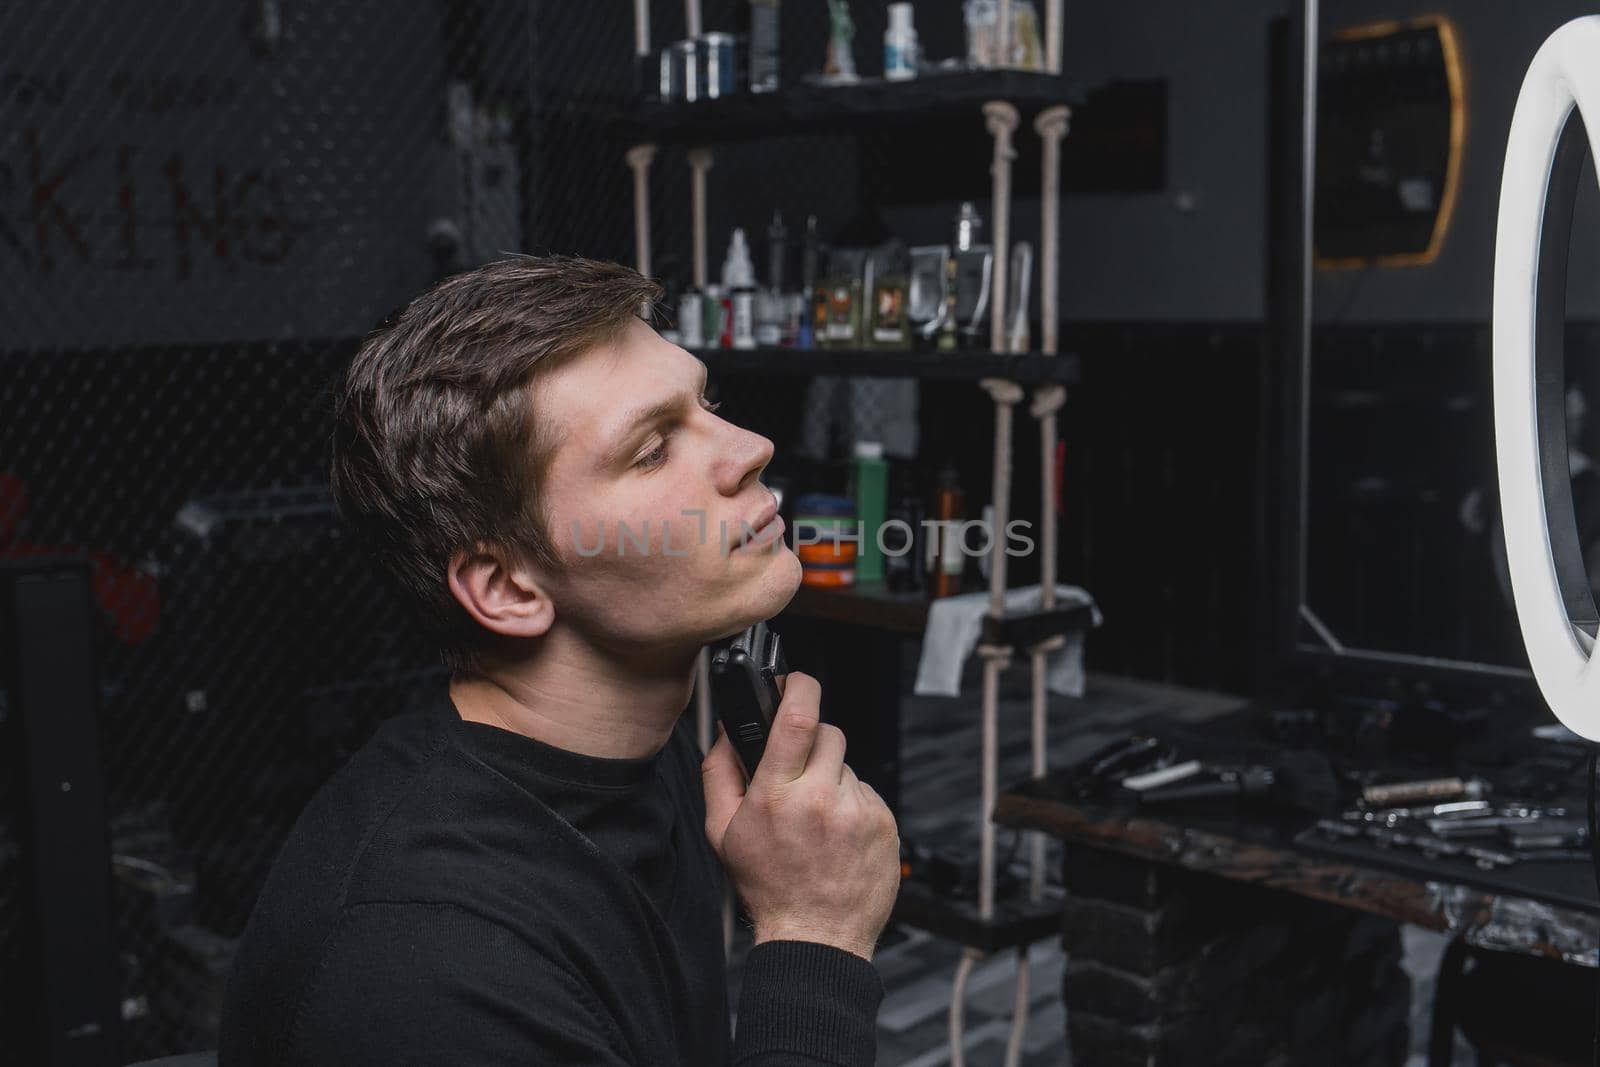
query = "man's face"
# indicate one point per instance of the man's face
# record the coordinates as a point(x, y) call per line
point(656, 506)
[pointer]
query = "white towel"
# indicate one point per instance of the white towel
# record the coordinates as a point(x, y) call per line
point(955, 623)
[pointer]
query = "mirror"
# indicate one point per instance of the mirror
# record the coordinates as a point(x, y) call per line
point(1399, 553)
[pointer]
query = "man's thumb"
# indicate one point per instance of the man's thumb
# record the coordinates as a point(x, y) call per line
point(724, 787)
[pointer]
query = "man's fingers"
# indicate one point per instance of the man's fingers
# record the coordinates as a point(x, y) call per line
point(724, 787)
point(847, 777)
point(794, 727)
point(827, 756)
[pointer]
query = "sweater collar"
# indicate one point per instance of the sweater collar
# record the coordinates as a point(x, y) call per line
point(520, 757)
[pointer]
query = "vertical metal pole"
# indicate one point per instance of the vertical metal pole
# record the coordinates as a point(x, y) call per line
point(641, 27)
point(639, 159)
point(1053, 31)
point(1005, 394)
point(691, 17)
point(1019, 1011)
point(699, 163)
point(1001, 119)
point(1051, 126)
point(1308, 165)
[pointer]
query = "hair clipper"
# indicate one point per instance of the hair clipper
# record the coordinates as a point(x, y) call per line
point(744, 690)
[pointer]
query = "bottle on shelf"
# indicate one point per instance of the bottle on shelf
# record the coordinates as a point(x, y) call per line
point(970, 279)
point(692, 318)
point(948, 339)
point(903, 533)
point(715, 321)
point(900, 50)
point(840, 315)
point(812, 312)
point(825, 540)
point(839, 68)
point(947, 560)
point(738, 278)
point(869, 486)
point(889, 324)
point(772, 306)
point(764, 21)
point(777, 250)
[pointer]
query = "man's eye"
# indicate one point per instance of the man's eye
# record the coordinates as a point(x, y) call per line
point(656, 456)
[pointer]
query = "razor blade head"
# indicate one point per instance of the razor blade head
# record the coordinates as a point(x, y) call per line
point(760, 644)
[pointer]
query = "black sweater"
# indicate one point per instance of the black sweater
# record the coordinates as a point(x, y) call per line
point(461, 894)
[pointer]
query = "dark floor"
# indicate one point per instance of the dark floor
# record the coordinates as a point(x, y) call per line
point(940, 746)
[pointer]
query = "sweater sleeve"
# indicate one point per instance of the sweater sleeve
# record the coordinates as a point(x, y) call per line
point(409, 983)
point(803, 1004)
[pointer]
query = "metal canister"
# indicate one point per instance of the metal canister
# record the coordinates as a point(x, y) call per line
point(826, 536)
point(691, 319)
point(683, 71)
point(719, 57)
point(673, 57)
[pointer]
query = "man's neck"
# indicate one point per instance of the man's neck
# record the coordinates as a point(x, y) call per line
point(574, 697)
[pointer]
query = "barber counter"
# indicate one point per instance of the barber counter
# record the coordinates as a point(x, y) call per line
point(1233, 930)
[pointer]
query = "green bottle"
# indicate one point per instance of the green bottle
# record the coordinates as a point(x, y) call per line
point(869, 484)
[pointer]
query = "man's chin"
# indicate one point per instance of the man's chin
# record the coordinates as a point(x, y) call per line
point(769, 593)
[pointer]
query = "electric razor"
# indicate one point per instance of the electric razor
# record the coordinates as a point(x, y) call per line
point(744, 690)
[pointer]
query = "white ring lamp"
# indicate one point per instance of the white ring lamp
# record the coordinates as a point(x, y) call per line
point(1544, 160)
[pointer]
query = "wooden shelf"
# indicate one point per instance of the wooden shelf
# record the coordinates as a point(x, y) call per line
point(868, 604)
point(1025, 368)
point(871, 604)
point(864, 105)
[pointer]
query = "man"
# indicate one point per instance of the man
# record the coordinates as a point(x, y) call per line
point(530, 876)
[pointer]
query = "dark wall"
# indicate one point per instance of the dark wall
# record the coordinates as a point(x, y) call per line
point(1496, 42)
point(190, 179)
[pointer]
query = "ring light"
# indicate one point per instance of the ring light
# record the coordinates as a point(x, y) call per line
point(1545, 152)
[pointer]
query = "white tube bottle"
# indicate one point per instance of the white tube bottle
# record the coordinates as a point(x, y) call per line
point(739, 280)
point(900, 44)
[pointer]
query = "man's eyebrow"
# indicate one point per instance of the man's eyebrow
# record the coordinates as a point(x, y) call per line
point(635, 420)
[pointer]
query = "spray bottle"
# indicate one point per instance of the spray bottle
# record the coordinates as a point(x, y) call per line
point(739, 279)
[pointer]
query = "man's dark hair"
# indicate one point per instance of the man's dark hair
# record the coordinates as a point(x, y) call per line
point(436, 446)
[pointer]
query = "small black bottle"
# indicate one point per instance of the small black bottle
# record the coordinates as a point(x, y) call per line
point(903, 535)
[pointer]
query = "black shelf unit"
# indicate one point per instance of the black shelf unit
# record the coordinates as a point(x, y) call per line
point(874, 106)
point(1023, 368)
point(863, 105)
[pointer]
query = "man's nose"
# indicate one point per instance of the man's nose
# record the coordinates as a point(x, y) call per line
point(742, 460)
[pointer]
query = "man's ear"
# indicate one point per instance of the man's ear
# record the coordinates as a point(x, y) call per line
point(502, 597)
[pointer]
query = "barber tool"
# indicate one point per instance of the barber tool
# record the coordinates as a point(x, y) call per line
point(1503, 819)
point(1428, 845)
point(1458, 828)
point(1132, 753)
point(1545, 834)
point(1300, 780)
point(744, 690)
point(1165, 776)
point(1397, 793)
point(1229, 782)
point(1432, 847)
point(1457, 810)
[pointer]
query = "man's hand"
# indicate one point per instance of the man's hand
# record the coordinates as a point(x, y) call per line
point(812, 850)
